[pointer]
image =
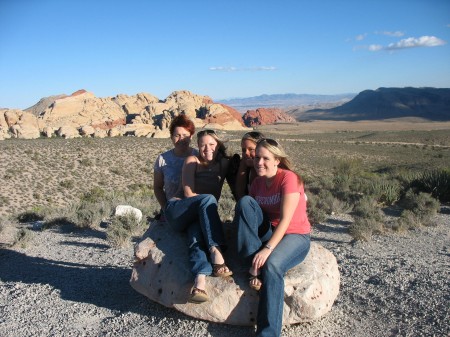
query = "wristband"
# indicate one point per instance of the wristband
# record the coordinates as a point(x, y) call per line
point(269, 247)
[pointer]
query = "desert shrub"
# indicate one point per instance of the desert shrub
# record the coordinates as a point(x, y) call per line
point(226, 204)
point(68, 184)
point(35, 214)
point(385, 191)
point(86, 162)
point(23, 237)
point(90, 214)
point(421, 206)
point(315, 213)
point(407, 220)
point(345, 171)
point(94, 195)
point(121, 229)
point(363, 228)
point(367, 207)
point(436, 182)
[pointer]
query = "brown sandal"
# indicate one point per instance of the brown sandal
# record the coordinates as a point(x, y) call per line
point(218, 267)
point(256, 287)
point(198, 296)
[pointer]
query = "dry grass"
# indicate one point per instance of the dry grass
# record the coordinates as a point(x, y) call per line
point(56, 172)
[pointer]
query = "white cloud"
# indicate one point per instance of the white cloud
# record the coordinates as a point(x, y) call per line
point(393, 34)
point(411, 42)
point(231, 69)
point(375, 47)
point(360, 37)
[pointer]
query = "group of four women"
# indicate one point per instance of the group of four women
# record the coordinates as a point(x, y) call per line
point(273, 231)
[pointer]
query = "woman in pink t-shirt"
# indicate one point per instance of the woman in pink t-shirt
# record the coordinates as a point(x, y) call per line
point(273, 231)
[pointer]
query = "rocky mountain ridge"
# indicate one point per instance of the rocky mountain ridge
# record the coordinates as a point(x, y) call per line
point(385, 103)
point(142, 115)
point(287, 101)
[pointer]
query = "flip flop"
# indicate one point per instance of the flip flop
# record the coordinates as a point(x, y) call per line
point(198, 296)
point(218, 267)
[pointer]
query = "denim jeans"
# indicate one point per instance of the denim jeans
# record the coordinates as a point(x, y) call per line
point(289, 252)
point(199, 218)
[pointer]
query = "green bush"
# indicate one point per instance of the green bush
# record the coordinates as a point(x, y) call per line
point(385, 191)
point(436, 182)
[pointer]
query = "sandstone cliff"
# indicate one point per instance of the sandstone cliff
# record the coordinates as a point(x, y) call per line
point(143, 115)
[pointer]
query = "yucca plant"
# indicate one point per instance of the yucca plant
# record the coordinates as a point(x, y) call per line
point(435, 182)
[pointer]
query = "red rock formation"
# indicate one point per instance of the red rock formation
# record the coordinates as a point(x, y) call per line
point(107, 125)
point(234, 113)
point(264, 116)
point(78, 92)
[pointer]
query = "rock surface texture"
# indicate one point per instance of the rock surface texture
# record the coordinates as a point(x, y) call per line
point(264, 116)
point(140, 115)
point(162, 273)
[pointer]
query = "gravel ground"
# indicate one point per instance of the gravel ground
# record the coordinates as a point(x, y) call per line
point(71, 283)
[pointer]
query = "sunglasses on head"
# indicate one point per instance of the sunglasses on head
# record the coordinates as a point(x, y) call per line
point(269, 141)
point(206, 132)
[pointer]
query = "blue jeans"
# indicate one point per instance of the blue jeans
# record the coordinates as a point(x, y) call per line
point(199, 218)
point(289, 252)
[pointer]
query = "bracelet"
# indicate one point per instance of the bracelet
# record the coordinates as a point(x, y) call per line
point(269, 247)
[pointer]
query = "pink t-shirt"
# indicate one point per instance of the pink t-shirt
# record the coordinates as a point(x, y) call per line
point(269, 199)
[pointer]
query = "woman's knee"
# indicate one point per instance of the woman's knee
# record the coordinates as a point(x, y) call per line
point(244, 202)
point(208, 199)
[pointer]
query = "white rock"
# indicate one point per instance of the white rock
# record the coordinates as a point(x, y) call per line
point(122, 210)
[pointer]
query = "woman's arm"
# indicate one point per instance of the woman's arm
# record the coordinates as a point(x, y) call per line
point(241, 180)
point(231, 167)
point(188, 176)
point(158, 188)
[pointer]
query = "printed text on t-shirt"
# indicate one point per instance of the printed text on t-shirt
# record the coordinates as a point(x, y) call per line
point(270, 200)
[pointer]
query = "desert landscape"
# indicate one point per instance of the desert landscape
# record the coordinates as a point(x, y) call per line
point(63, 273)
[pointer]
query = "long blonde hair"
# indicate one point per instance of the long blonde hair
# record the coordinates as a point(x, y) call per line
point(278, 152)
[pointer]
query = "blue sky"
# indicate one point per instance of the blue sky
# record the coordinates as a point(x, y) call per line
point(223, 49)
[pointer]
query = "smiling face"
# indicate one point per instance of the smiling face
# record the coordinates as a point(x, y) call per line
point(248, 151)
point(181, 139)
point(207, 147)
point(265, 163)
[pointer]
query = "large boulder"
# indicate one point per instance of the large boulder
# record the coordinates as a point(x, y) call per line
point(161, 272)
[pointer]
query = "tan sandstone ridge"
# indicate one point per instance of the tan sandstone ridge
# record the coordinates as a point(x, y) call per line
point(142, 115)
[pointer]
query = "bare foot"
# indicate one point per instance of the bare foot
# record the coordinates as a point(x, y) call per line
point(217, 259)
point(200, 282)
point(255, 282)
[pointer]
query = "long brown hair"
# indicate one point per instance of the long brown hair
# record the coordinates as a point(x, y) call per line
point(221, 149)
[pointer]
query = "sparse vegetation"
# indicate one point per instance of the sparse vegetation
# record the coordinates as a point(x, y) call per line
point(81, 181)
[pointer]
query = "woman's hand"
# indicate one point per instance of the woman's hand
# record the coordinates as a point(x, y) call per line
point(261, 258)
